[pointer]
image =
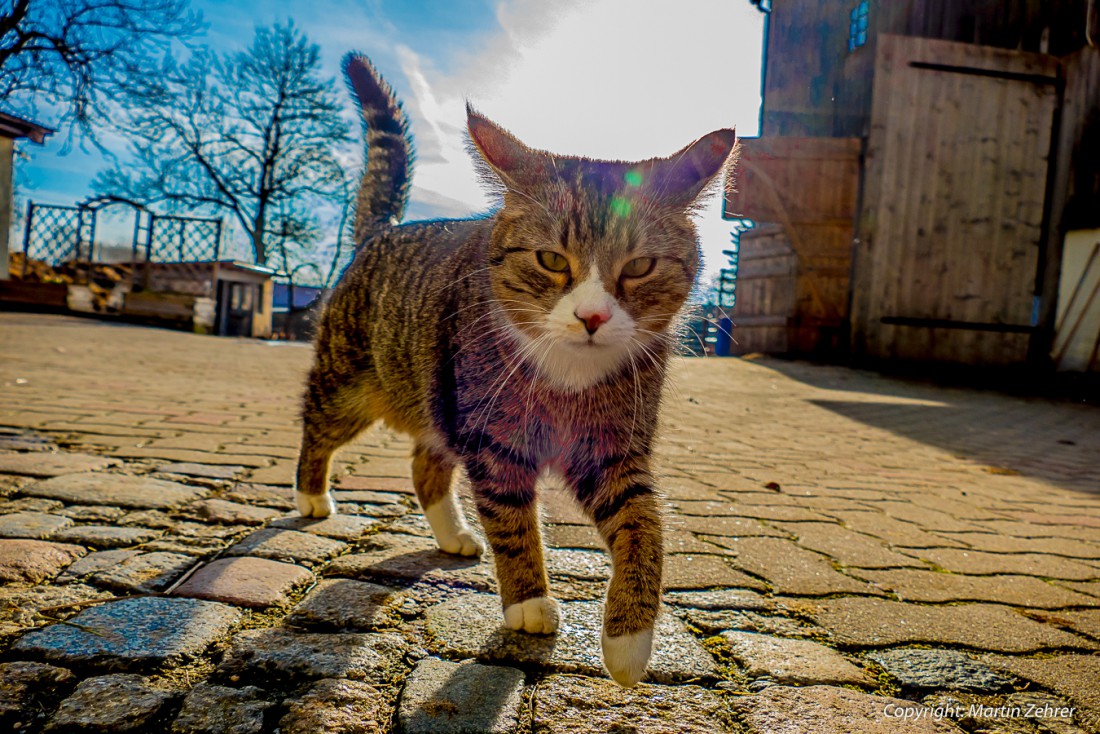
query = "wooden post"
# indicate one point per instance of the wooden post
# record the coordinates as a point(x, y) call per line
point(7, 151)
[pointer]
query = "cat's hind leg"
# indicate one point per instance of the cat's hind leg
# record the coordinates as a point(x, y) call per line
point(330, 418)
point(432, 472)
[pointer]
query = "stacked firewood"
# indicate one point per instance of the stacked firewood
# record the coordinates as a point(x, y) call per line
point(102, 279)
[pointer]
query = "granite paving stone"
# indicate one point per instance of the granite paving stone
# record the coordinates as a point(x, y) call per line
point(369, 496)
point(185, 456)
point(573, 536)
point(831, 710)
point(347, 528)
point(106, 536)
point(733, 527)
point(345, 604)
point(115, 489)
point(1085, 621)
point(1000, 543)
point(95, 561)
point(792, 570)
point(29, 504)
point(232, 513)
point(408, 558)
point(721, 599)
point(207, 471)
point(211, 709)
point(35, 525)
point(922, 669)
point(119, 703)
point(279, 498)
point(580, 564)
point(870, 622)
point(132, 633)
point(246, 582)
point(441, 697)
point(26, 442)
point(90, 513)
point(471, 625)
point(898, 533)
point(711, 508)
point(337, 707)
point(847, 547)
point(51, 465)
point(20, 606)
point(278, 656)
point(792, 662)
point(281, 472)
point(27, 690)
point(188, 545)
point(143, 572)
point(289, 546)
point(367, 509)
point(35, 561)
point(1072, 676)
point(413, 524)
point(705, 572)
point(930, 586)
point(380, 484)
point(570, 704)
point(1026, 564)
point(712, 621)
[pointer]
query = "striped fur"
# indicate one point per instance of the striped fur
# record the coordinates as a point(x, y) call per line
point(389, 153)
point(458, 333)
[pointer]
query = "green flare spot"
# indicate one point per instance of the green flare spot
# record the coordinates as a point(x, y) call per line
point(620, 207)
point(633, 178)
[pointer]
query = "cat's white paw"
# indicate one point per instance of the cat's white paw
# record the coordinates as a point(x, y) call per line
point(450, 530)
point(538, 616)
point(626, 656)
point(462, 543)
point(315, 505)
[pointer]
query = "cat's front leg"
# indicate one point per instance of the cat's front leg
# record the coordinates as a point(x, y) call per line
point(621, 499)
point(504, 492)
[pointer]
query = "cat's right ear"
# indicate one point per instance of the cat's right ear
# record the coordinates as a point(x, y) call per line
point(513, 162)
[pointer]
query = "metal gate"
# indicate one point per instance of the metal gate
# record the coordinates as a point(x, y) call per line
point(954, 197)
point(63, 239)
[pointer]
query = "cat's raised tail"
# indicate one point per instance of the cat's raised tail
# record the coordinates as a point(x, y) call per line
point(387, 175)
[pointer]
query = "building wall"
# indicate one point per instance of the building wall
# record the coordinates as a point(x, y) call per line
point(815, 85)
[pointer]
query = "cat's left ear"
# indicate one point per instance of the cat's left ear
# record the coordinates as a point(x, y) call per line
point(680, 179)
point(513, 162)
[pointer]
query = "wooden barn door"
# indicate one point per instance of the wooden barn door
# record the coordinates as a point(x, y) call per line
point(954, 190)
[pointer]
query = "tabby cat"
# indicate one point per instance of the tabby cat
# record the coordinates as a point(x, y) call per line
point(533, 340)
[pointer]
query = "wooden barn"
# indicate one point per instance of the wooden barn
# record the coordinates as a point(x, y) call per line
point(928, 180)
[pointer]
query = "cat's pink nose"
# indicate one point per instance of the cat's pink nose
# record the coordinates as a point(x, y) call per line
point(593, 318)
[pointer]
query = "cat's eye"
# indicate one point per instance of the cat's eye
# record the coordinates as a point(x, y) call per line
point(639, 267)
point(552, 261)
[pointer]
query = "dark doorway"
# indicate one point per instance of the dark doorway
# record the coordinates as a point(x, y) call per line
point(236, 302)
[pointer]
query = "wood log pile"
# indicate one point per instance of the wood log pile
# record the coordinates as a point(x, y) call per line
point(102, 279)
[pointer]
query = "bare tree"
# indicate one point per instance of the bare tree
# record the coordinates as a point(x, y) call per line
point(254, 133)
point(74, 55)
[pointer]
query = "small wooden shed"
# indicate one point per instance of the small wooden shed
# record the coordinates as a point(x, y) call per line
point(793, 271)
point(12, 128)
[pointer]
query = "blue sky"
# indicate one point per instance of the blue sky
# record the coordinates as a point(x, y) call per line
point(604, 78)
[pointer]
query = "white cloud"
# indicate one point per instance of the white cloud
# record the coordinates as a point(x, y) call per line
point(605, 78)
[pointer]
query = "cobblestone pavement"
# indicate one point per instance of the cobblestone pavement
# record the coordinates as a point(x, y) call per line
point(845, 553)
